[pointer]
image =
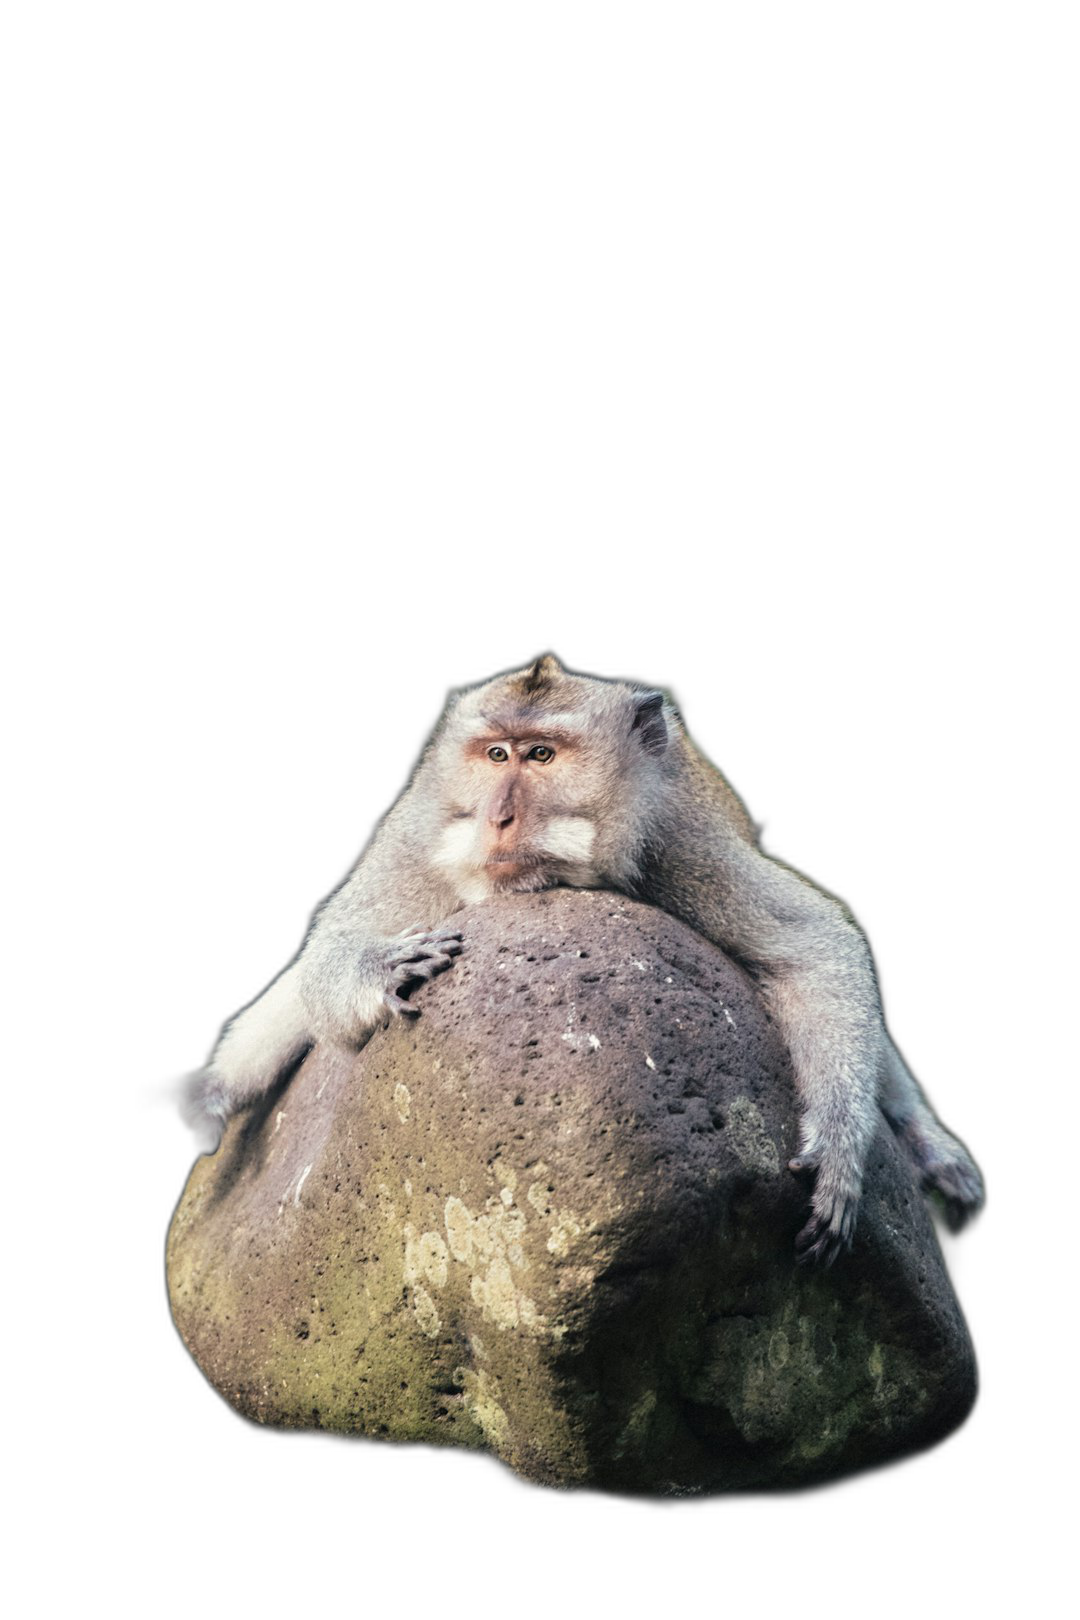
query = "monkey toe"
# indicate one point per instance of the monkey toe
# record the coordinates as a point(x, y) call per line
point(956, 1185)
point(956, 1214)
point(957, 1204)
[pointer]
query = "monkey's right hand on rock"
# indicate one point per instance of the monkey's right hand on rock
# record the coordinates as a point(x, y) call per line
point(351, 981)
point(412, 958)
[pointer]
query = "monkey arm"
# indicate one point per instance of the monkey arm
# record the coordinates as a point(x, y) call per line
point(814, 971)
point(817, 977)
point(375, 935)
point(364, 952)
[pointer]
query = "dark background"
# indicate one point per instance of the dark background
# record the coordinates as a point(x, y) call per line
point(248, 742)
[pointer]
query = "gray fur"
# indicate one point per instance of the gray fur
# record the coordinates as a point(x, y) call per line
point(626, 803)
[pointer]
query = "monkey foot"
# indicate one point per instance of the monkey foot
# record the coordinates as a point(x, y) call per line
point(956, 1183)
point(209, 1138)
point(203, 1110)
point(946, 1171)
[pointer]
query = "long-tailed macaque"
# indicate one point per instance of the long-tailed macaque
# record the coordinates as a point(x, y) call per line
point(541, 778)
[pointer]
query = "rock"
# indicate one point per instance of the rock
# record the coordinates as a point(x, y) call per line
point(552, 1217)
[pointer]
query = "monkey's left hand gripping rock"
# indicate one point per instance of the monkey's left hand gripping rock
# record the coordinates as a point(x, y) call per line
point(834, 1206)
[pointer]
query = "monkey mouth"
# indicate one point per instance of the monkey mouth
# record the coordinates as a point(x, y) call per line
point(519, 869)
point(515, 857)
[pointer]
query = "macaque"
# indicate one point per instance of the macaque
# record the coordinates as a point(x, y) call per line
point(542, 778)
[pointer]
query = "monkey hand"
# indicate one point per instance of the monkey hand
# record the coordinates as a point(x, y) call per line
point(410, 960)
point(833, 1207)
point(352, 982)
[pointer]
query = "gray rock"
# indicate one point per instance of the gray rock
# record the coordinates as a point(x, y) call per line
point(552, 1217)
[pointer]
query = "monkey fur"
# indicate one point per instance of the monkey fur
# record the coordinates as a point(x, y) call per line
point(541, 778)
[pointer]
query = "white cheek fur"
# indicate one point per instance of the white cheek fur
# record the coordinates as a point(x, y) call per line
point(569, 838)
point(456, 844)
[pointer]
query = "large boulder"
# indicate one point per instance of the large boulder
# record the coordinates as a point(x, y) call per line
point(552, 1217)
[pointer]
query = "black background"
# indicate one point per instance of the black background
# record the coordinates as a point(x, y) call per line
point(248, 737)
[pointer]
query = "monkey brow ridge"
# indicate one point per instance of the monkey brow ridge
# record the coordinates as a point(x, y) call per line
point(516, 725)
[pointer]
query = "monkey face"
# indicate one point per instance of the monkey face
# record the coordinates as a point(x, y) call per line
point(541, 775)
point(523, 817)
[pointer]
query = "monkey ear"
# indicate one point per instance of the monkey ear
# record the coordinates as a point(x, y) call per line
point(540, 672)
point(649, 722)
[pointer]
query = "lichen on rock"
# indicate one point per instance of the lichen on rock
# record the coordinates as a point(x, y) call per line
point(550, 1218)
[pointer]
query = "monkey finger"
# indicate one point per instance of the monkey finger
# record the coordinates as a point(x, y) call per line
point(815, 1246)
point(441, 942)
point(435, 964)
point(823, 1240)
point(420, 971)
point(415, 973)
point(398, 1006)
point(420, 953)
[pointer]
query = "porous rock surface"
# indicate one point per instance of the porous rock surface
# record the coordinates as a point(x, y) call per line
point(552, 1218)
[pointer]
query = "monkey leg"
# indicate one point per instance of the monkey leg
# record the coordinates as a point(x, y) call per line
point(339, 990)
point(945, 1166)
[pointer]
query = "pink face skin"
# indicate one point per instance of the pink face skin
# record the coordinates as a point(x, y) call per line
point(519, 827)
point(521, 770)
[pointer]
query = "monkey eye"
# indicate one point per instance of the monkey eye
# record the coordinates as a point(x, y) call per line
point(499, 755)
point(541, 753)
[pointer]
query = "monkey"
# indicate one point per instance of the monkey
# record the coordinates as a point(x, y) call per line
point(544, 777)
